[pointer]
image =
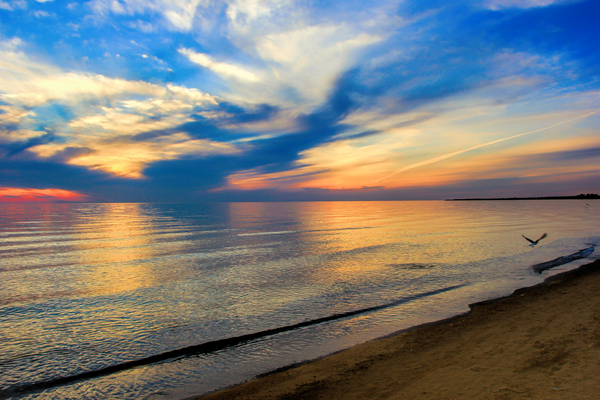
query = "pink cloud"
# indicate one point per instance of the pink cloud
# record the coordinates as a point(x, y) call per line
point(18, 195)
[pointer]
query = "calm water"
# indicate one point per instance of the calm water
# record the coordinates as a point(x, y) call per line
point(84, 287)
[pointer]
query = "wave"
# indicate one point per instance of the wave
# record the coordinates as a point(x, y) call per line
point(539, 268)
point(266, 233)
point(210, 347)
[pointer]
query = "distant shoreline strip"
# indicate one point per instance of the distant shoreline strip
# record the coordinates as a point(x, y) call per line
point(591, 196)
point(209, 347)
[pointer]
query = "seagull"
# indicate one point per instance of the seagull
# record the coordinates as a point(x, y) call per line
point(534, 242)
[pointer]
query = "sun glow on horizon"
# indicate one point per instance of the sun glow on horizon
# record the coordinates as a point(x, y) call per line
point(22, 195)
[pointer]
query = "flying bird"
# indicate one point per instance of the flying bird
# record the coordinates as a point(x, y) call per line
point(534, 242)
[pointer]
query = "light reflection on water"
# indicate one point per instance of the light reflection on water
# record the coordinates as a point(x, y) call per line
point(84, 286)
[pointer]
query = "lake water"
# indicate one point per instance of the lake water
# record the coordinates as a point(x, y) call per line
point(164, 301)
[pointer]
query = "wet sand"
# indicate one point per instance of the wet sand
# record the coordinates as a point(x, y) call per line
point(540, 342)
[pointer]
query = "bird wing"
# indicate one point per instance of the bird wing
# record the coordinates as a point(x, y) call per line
point(529, 240)
point(543, 236)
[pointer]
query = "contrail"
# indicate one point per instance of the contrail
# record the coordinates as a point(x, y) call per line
point(445, 156)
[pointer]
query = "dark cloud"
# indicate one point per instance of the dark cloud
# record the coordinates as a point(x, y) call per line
point(430, 75)
point(204, 128)
point(261, 112)
point(447, 51)
point(12, 148)
point(279, 153)
point(411, 122)
point(28, 172)
point(192, 174)
point(201, 128)
point(267, 155)
point(573, 155)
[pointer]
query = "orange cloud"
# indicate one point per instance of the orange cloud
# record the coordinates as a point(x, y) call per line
point(18, 195)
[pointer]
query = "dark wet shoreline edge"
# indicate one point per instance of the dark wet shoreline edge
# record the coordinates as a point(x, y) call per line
point(565, 276)
point(208, 347)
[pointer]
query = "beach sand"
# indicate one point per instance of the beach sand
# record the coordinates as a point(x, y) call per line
point(540, 342)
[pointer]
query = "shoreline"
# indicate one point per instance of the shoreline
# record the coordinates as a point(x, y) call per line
point(589, 196)
point(530, 343)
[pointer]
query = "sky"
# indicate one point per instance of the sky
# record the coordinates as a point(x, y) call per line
point(282, 100)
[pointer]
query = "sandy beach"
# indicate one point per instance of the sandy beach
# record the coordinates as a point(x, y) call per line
point(540, 342)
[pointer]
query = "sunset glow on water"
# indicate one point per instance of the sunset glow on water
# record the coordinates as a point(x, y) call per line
point(87, 286)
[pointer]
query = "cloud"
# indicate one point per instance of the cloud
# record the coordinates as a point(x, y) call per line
point(129, 159)
point(35, 89)
point(310, 59)
point(29, 83)
point(42, 14)
point(455, 153)
point(416, 81)
point(143, 26)
point(178, 13)
point(48, 111)
point(500, 4)
point(275, 52)
point(246, 12)
point(13, 5)
point(8, 195)
point(220, 68)
point(300, 96)
point(123, 140)
point(289, 75)
point(578, 155)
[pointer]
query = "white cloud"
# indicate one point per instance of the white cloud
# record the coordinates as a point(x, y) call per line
point(29, 83)
point(220, 68)
point(106, 114)
point(296, 57)
point(13, 5)
point(179, 13)
point(74, 87)
point(42, 14)
point(255, 16)
point(253, 9)
point(310, 59)
point(500, 4)
point(295, 63)
point(21, 4)
point(142, 26)
point(300, 54)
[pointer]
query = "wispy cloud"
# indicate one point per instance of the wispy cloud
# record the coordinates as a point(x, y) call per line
point(455, 153)
point(224, 69)
point(104, 130)
point(178, 98)
point(12, 5)
point(178, 13)
point(500, 4)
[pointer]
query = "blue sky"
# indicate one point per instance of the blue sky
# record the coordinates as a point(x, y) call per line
point(191, 100)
